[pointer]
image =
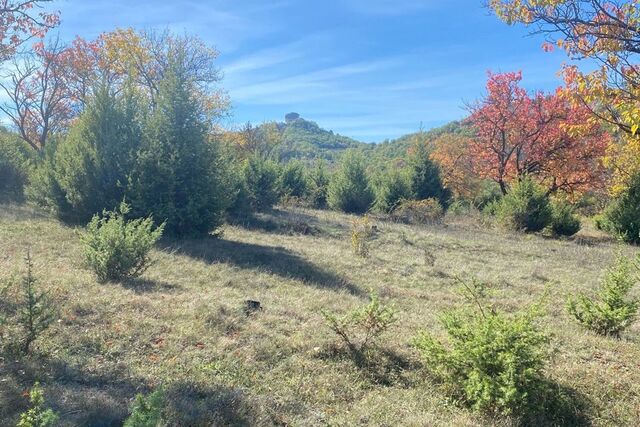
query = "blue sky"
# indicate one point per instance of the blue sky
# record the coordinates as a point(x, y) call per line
point(369, 69)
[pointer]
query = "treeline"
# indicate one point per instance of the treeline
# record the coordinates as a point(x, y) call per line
point(132, 116)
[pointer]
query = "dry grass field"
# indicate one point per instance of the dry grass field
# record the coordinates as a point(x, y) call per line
point(183, 324)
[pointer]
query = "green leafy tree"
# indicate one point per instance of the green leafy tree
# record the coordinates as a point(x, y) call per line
point(179, 177)
point(349, 190)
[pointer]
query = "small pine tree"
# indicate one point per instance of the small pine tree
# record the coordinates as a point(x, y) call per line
point(349, 190)
point(116, 248)
point(146, 411)
point(38, 415)
point(525, 208)
point(622, 217)
point(612, 312)
point(261, 182)
point(292, 182)
point(393, 188)
point(178, 177)
point(37, 311)
point(14, 156)
point(426, 182)
point(492, 361)
point(564, 221)
point(90, 168)
point(318, 179)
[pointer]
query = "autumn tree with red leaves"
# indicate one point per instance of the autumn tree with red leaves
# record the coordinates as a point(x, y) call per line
point(21, 21)
point(543, 136)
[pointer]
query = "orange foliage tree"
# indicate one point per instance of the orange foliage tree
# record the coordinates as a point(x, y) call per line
point(543, 136)
point(451, 152)
point(607, 32)
point(48, 87)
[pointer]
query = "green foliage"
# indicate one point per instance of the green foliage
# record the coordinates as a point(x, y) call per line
point(146, 411)
point(426, 182)
point(261, 181)
point(394, 187)
point(564, 221)
point(292, 182)
point(179, 177)
point(525, 208)
point(88, 171)
point(38, 415)
point(622, 217)
point(349, 190)
point(612, 311)
point(14, 158)
point(492, 361)
point(362, 328)
point(318, 182)
point(425, 212)
point(36, 310)
point(488, 194)
point(118, 249)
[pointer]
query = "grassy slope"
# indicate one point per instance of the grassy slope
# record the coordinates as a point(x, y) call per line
point(184, 323)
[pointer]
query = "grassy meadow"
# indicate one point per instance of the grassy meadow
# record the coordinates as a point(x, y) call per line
point(183, 324)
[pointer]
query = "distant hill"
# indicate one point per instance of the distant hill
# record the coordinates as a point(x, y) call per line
point(304, 140)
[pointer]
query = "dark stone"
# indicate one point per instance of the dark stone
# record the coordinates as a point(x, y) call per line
point(251, 306)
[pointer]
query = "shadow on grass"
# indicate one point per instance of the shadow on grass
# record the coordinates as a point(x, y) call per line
point(559, 405)
point(274, 259)
point(83, 398)
point(288, 223)
point(380, 366)
point(142, 285)
point(190, 404)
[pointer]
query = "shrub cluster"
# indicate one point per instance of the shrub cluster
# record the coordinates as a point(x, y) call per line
point(362, 328)
point(261, 182)
point(349, 190)
point(428, 211)
point(160, 160)
point(622, 217)
point(14, 157)
point(491, 360)
point(361, 234)
point(118, 249)
point(38, 415)
point(525, 208)
point(564, 221)
point(612, 311)
point(394, 188)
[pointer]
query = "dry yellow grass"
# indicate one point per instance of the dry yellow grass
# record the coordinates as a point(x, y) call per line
point(183, 325)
